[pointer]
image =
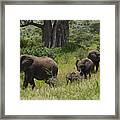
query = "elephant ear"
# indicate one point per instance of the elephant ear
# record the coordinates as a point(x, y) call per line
point(25, 62)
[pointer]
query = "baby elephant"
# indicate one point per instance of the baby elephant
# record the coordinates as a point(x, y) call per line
point(72, 76)
point(85, 67)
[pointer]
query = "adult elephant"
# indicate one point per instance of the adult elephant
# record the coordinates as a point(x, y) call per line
point(95, 57)
point(85, 67)
point(41, 68)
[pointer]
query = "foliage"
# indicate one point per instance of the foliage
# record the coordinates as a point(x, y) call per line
point(84, 35)
point(39, 51)
point(70, 47)
point(78, 90)
point(85, 32)
point(30, 36)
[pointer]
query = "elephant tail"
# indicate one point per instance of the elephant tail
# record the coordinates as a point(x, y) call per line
point(77, 64)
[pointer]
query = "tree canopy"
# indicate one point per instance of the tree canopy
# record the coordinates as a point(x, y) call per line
point(39, 35)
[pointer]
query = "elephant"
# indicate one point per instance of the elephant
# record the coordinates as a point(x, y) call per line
point(85, 67)
point(95, 57)
point(72, 76)
point(40, 68)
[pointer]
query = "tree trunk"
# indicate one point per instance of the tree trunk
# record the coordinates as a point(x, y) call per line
point(55, 35)
point(47, 33)
point(62, 33)
point(55, 32)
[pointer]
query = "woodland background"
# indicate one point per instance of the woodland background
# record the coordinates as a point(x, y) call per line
point(65, 41)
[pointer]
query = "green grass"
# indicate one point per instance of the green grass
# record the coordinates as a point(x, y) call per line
point(78, 90)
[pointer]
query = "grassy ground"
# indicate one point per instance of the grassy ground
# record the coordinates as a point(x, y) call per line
point(78, 90)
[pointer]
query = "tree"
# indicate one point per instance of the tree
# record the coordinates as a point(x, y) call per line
point(55, 32)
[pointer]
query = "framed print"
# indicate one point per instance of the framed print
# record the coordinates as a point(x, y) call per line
point(59, 60)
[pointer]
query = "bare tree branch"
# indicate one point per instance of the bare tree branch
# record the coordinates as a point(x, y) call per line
point(24, 23)
point(37, 25)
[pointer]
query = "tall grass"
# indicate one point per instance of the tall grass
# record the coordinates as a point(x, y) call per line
point(78, 90)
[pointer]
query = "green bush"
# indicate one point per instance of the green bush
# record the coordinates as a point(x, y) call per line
point(23, 43)
point(70, 47)
point(29, 42)
point(38, 51)
point(82, 52)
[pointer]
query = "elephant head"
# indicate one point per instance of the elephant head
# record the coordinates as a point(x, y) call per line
point(95, 57)
point(25, 62)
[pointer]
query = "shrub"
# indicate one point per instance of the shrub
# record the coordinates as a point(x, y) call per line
point(38, 51)
point(70, 47)
point(23, 43)
point(81, 53)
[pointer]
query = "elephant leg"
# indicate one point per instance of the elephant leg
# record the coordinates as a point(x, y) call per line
point(85, 75)
point(92, 68)
point(97, 66)
point(67, 81)
point(25, 84)
point(27, 79)
point(71, 80)
point(89, 75)
point(52, 84)
point(32, 83)
point(48, 82)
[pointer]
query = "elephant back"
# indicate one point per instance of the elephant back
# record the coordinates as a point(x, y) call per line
point(46, 61)
point(86, 62)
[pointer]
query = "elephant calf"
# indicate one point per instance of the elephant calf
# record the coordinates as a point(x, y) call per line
point(41, 68)
point(84, 66)
point(95, 57)
point(72, 76)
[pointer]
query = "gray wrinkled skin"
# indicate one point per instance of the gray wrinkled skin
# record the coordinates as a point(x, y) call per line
point(95, 57)
point(41, 68)
point(85, 67)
